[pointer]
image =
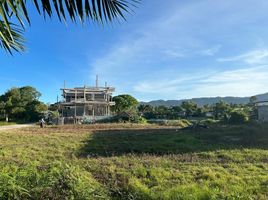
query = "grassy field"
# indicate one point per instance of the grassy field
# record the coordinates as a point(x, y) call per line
point(127, 161)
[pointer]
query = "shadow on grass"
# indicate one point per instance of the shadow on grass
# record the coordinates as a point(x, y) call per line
point(171, 141)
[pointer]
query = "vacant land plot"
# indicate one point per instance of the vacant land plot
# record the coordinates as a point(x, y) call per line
point(134, 162)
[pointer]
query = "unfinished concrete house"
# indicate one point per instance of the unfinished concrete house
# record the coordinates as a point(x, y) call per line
point(86, 103)
point(262, 111)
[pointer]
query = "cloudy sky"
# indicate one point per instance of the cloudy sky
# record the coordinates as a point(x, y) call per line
point(169, 49)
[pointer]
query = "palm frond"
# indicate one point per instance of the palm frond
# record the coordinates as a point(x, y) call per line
point(96, 10)
point(16, 42)
point(100, 11)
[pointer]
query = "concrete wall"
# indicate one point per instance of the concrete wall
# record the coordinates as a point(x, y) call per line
point(263, 113)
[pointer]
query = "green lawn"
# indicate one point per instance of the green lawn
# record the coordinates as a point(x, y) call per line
point(134, 162)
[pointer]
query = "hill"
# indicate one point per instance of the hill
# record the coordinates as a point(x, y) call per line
point(207, 100)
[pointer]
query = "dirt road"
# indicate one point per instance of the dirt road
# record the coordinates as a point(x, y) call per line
point(8, 127)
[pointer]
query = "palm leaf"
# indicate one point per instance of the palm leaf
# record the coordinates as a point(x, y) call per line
point(96, 10)
point(100, 11)
point(16, 42)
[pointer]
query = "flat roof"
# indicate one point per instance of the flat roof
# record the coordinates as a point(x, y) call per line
point(88, 89)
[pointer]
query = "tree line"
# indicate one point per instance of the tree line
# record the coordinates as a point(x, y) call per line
point(21, 104)
point(221, 111)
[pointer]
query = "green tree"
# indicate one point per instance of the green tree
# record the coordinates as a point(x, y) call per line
point(221, 110)
point(145, 108)
point(34, 111)
point(161, 112)
point(12, 103)
point(126, 108)
point(189, 107)
point(2, 110)
point(200, 112)
point(13, 13)
point(22, 104)
point(53, 107)
point(124, 103)
point(29, 94)
point(175, 112)
point(238, 117)
point(147, 111)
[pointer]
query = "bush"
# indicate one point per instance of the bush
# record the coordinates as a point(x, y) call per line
point(137, 119)
point(142, 120)
point(182, 123)
point(129, 116)
point(238, 117)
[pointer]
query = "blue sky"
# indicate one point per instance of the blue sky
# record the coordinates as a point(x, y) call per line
point(169, 49)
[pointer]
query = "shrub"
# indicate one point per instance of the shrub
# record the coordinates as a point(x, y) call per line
point(137, 119)
point(238, 117)
point(142, 120)
point(57, 181)
point(182, 123)
point(131, 117)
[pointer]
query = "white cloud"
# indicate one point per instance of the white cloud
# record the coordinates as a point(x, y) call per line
point(210, 51)
point(171, 56)
point(240, 82)
point(174, 53)
point(151, 46)
point(258, 56)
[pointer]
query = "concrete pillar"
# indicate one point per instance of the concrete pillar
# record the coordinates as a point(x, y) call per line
point(84, 110)
point(84, 93)
point(109, 113)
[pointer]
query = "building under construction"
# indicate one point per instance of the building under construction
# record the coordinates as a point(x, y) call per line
point(262, 107)
point(90, 103)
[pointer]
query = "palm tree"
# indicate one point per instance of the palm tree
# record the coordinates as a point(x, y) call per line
point(100, 11)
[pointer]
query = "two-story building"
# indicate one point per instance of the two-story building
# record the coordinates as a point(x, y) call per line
point(86, 102)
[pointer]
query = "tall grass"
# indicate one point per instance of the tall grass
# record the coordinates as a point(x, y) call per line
point(134, 162)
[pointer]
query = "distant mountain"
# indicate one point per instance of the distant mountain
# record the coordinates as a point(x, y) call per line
point(207, 100)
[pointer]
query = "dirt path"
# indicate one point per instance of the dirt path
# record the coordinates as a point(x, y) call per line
point(8, 127)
